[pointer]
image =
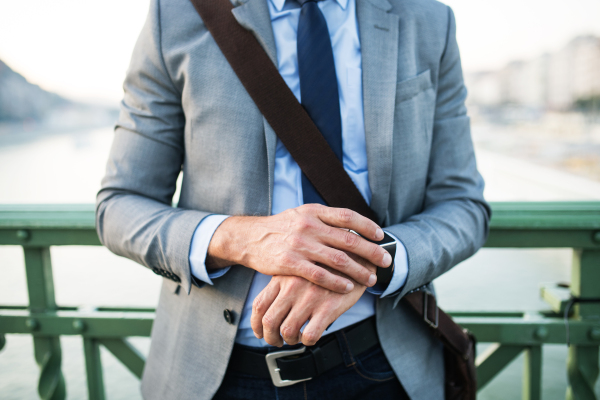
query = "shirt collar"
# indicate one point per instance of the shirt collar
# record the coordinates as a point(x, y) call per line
point(280, 3)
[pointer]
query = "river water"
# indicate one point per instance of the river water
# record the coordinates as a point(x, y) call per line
point(41, 167)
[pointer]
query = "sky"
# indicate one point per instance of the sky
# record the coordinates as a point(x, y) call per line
point(81, 48)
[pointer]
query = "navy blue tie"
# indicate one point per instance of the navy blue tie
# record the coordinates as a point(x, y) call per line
point(318, 83)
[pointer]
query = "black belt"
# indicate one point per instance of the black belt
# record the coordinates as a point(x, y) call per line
point(287, 367)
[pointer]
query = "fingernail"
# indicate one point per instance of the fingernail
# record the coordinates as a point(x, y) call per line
point(387, 259)
point(378, 234)
point(349, 287)
point(372, 280)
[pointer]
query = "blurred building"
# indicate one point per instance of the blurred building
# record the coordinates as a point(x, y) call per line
point(552, 81)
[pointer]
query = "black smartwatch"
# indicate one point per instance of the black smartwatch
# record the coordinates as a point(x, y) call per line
point(384, 275)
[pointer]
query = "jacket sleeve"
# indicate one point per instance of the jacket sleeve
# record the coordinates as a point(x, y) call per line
point(134, 215)
point(454, 222)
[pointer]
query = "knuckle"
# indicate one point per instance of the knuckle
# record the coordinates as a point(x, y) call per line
point(376, 251)
point(294, 283)
point(287, 331)
point(258, 305)
point(268, 323)
point(365, 274)
point(311, 208)
point(303, 224)
point(292, 213)
point(340, 259)
point(310, 338)
point(351, 240)
point(296, 241)
point(314, 292)
point(286, 259)
point(330, 305)
point(345, 215)
point(317, 274)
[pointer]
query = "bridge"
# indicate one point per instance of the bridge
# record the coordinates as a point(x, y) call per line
point(573, 315)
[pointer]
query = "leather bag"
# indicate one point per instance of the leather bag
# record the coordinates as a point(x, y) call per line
point(315, 158)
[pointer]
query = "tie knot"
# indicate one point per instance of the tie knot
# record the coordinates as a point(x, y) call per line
point(303, 2)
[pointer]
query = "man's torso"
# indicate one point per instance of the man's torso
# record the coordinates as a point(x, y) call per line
point(229, 162)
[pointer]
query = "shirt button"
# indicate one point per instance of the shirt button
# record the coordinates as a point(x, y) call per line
point(228, 316)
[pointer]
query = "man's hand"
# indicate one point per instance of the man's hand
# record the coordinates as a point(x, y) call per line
point(295, 241)
point(284, 306)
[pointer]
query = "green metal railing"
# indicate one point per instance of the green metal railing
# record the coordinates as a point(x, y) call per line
point(516, 225)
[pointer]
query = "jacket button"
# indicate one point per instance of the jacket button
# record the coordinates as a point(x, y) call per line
point(228, 316)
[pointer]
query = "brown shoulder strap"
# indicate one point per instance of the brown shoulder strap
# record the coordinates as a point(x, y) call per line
point(450, 333)
point(300, 136)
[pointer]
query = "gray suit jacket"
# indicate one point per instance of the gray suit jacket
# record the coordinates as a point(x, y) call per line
point(185, 110)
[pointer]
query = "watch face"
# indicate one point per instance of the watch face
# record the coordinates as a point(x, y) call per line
point(384, 275)
point(387, 240)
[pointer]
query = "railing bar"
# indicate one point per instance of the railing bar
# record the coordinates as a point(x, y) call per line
point(486, 314)
point(518, 225)
point(93, 369)
point(127, 354)
point(493, 361)
point(100, 308)
point(126, 309)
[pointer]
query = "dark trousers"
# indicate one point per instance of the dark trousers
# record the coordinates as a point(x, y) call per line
point(364, 376)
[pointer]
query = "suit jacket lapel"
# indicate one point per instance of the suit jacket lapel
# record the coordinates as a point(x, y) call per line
point(254, 16)
point(378, 31)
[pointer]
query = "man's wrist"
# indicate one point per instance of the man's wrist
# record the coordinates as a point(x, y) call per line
point(228, 243)
point(220, 249)
point(199, 246)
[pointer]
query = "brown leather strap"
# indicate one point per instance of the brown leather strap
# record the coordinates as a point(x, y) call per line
point(302, 138)
point(449, 332)
point(280, 107)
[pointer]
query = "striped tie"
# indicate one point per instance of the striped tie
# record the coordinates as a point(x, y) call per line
point(318, 83)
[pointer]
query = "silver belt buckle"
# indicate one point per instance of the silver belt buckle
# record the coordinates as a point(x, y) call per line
point(274, 370)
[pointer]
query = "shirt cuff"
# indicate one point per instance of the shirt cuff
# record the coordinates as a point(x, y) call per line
point(200, 241)
point(400, 272)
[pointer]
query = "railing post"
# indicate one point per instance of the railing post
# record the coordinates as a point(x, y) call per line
point(93, 367)
point(582, 363)
point(40, 285)
point(532, 374)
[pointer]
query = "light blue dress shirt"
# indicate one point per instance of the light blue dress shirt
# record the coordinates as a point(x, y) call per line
point(287, 189)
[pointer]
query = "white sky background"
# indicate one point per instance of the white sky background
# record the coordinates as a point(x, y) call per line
point(81, 48)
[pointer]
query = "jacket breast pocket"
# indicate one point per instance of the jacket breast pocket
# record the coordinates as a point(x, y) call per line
point(409, 88)
point(414, 112)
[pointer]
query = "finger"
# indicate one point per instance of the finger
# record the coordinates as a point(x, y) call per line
point(290, 328)
point(321, 277)
point(344, 263)
point(273, 319)
point(315, 328)
point(345, 218)
point(261, 304)
point(342, 239)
